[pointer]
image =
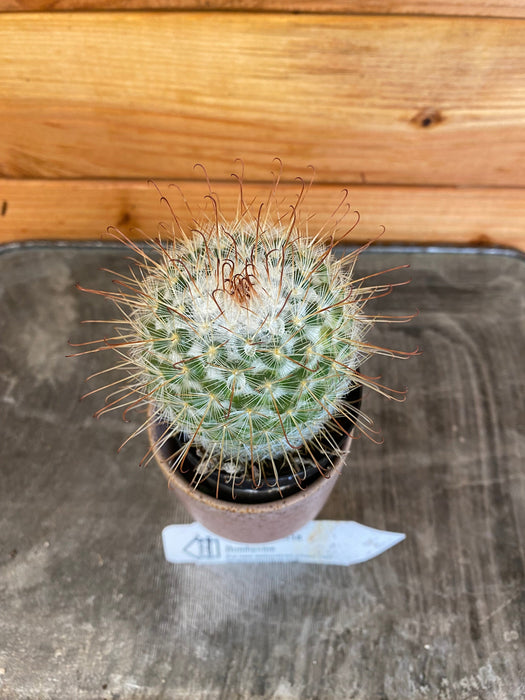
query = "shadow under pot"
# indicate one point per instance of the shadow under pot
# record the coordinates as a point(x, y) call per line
point(239, 511)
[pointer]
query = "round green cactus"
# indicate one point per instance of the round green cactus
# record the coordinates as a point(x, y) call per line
point(245, 337)
point(248, 340)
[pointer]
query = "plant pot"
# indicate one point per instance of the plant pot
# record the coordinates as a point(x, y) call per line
point(252, 515)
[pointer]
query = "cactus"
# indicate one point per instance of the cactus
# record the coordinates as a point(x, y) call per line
point(246, 337)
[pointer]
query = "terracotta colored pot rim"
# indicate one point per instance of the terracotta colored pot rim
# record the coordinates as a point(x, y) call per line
point(179, 483)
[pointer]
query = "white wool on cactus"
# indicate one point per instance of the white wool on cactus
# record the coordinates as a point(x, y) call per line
point(246, 337)
point(251, 339)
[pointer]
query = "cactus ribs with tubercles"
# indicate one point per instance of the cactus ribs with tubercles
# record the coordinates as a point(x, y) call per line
point(246, 336)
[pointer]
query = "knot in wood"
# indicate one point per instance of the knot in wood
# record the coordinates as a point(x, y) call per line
point(426, 117)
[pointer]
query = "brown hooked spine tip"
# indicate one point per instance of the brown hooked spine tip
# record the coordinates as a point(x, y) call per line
point(240, 286)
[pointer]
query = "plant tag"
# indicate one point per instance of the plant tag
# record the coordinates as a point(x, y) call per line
point(319, 542)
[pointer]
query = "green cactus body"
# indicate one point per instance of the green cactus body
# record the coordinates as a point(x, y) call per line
point(247, 340)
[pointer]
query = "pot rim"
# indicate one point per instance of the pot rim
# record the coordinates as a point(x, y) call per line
point(178, 482)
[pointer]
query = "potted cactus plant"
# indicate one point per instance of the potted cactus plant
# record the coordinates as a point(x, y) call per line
point(244, 339)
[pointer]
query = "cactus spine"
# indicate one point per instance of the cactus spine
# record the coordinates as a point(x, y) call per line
point(246, 337)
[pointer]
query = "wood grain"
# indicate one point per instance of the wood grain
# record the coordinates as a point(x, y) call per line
point(494, 8)
point(32, 209)
point(397, 100)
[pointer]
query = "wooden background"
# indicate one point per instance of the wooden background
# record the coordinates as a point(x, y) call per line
point(422, 115)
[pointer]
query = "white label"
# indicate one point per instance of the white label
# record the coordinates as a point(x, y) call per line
point(320, 542)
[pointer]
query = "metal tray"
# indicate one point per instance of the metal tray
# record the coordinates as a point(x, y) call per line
point(90, 609)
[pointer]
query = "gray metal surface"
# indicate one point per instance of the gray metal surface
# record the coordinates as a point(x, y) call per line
point(89, 607)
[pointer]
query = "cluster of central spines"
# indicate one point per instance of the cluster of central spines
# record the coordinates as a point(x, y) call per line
point(249, 340)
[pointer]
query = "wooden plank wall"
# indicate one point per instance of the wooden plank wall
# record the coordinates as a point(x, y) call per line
point(421, 115)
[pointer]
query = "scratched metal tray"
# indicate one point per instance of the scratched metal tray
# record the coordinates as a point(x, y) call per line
point(90, 609)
